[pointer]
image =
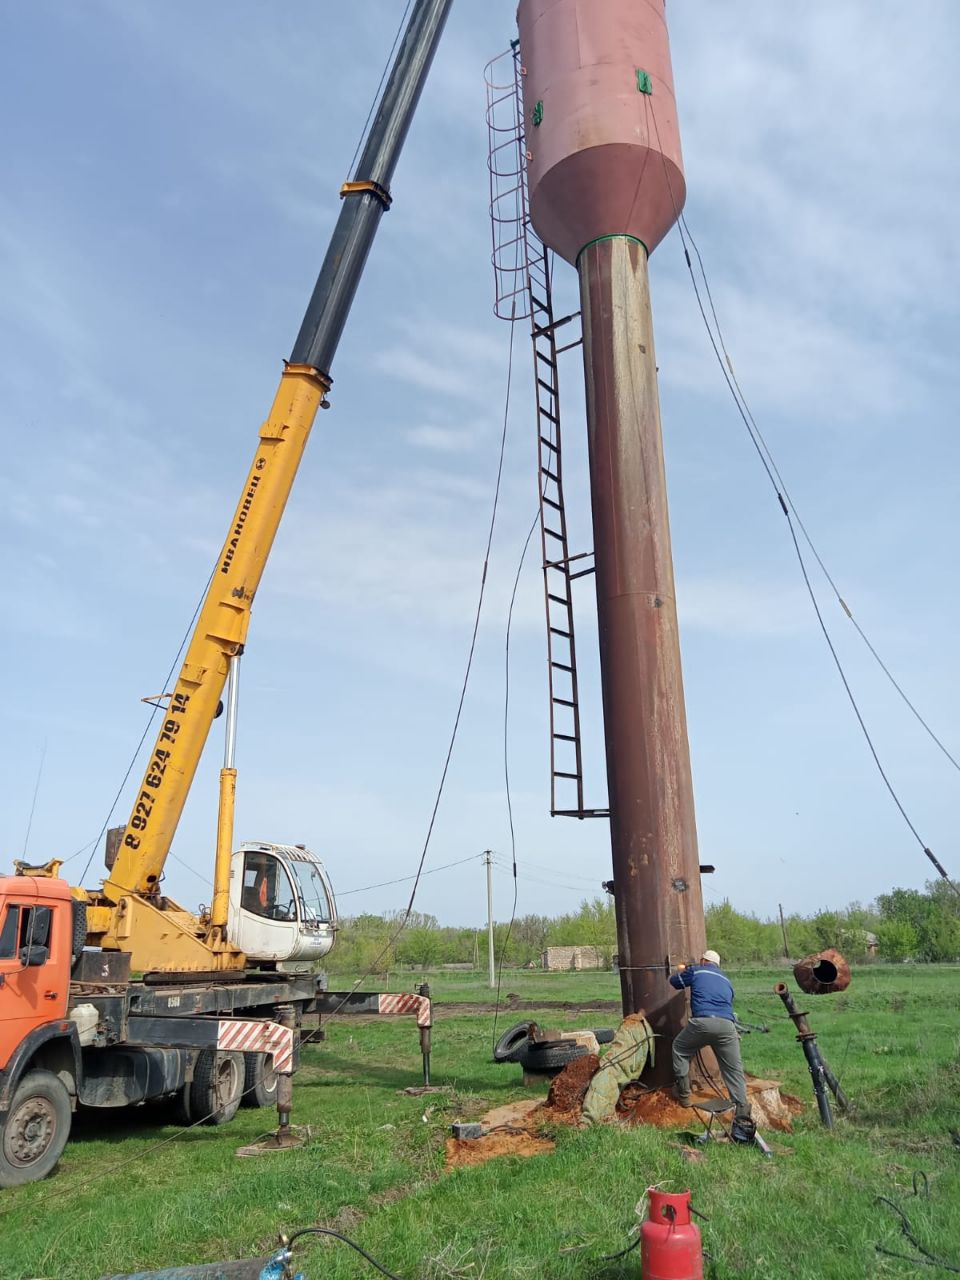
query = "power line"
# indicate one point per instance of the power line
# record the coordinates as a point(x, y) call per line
point(345, 893)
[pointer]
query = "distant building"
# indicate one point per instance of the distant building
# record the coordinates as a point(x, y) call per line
point(566, 958)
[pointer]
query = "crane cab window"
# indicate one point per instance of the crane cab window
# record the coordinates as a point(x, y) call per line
point(313, 892)
point(267, 890)
point(24, 927)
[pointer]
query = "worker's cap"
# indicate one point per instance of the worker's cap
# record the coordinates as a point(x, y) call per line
point(711, 957)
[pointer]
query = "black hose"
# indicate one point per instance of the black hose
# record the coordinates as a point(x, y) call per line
point(325, 1231)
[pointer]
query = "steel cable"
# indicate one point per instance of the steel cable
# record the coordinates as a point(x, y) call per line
point(766, 459)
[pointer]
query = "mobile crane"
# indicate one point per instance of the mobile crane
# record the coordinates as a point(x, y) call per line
point(214, 1020)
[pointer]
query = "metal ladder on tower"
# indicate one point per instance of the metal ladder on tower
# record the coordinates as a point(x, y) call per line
point(524, 290)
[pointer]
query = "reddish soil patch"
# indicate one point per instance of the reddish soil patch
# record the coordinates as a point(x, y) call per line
point(461, 1152)
point(567, 1089)
point(640, 1106)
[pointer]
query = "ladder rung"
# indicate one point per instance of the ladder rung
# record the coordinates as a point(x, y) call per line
point(565, 702)
point(562, 666)
point(545, 471)
point(547, 386)
point(553, 534)
point(558, 774)
point(566, 737)
point(558, 631)
point(549, 444)
point(550, 503)
point(545, 413)
point(547, 360)
point(565, 600)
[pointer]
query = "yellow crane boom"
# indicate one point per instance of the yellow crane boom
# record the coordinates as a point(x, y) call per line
point(130, 913)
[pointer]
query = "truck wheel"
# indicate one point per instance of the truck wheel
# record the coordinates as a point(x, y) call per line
point(35, 1129)
point(259, 1081)
point(217, 1086)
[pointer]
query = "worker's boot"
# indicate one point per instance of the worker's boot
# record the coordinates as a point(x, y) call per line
point(681, 1091)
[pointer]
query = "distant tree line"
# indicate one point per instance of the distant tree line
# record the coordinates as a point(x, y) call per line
point(903, 925)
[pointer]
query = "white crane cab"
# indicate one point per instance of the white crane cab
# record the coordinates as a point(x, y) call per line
point(282, 910)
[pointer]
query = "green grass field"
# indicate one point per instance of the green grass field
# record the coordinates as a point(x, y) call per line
point(374, 1165)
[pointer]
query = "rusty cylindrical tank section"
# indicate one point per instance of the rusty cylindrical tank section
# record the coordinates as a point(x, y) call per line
point(606, 184)
point(600, 120)
point(823, 973)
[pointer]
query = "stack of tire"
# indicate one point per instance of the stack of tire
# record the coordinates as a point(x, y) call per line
point(522, 1043)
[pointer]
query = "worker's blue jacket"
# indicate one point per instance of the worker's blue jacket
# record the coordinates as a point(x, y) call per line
point(711, 992)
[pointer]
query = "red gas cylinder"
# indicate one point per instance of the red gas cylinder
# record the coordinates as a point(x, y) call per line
point(670, 1246)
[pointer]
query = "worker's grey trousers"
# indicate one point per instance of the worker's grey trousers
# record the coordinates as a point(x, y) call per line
point(720, 1035)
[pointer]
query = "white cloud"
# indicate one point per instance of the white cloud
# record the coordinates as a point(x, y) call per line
point(738, 605)
point(441, 439)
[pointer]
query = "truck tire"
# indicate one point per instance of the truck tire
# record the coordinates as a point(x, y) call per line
point(259, 1081)
point(512, 1041)
point(34, 1131)
point(554, 1053)
point(217, 1086)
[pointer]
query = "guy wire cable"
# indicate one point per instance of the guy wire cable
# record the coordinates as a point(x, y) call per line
point(391, 941)
point(143, 737)
point(772, 475)
point(506, 766)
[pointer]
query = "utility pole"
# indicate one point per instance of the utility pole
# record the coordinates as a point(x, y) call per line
point(783, 927)
point(488, 863)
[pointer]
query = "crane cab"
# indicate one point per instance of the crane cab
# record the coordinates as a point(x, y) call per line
point(282, 910)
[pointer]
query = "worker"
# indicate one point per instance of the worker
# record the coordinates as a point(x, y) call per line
point(712, 1024)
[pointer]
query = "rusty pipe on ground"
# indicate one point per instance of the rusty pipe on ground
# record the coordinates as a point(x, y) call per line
point(823, 1078)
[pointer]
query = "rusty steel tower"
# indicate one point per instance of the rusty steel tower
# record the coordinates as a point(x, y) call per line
point(605, 182)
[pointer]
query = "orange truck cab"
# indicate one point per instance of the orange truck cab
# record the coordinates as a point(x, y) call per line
point(39, 1046)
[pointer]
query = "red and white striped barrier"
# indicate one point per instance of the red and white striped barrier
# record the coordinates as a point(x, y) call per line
point(420, 1005)
point(239, 1036)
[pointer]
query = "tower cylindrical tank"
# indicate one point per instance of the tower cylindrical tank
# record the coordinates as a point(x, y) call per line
point(605, 179)
point(600, 120)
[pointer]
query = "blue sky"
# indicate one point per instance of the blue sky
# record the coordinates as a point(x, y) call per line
point(171, 179)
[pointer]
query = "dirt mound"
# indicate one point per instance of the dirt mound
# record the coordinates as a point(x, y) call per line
point(462, 1152)
point(567, 1088)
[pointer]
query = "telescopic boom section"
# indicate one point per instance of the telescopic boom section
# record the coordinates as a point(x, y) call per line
point(221, 629)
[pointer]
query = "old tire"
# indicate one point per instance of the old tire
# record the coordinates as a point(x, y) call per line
point(511, 1042)
point(259, 1081)
point(556, 1053)
point(35, 1129)
point(217, 1086)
